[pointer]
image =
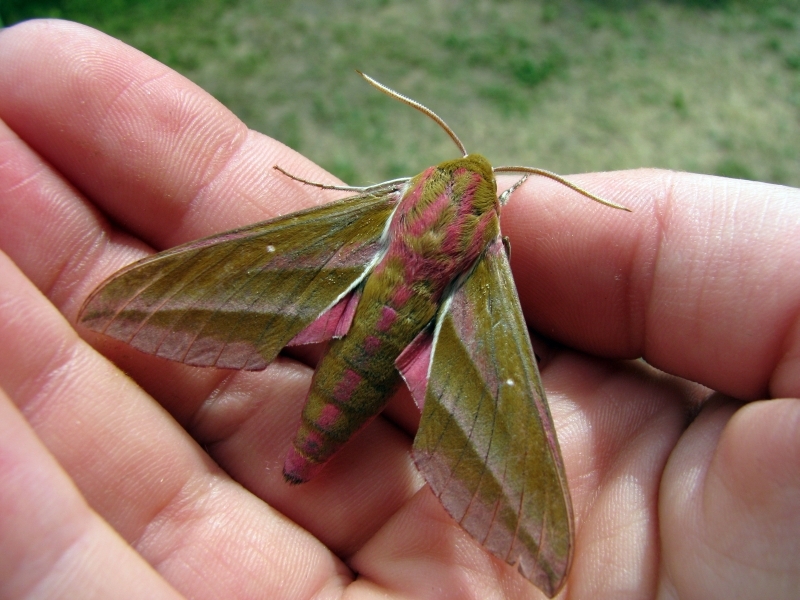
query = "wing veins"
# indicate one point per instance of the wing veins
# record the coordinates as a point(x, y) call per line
point(300, 286)
point(167, 297)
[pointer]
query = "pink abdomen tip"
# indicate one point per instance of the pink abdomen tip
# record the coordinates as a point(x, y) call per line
point(298, 469)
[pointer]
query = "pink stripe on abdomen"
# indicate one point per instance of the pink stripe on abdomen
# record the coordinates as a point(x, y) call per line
point(348, 383)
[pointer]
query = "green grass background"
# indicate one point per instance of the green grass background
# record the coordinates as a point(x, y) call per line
point(572, 86)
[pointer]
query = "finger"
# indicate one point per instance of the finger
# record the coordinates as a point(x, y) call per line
point(53, 544)
point(153, 150)
point(140, 471)
point(700, 278)
point(731, 503)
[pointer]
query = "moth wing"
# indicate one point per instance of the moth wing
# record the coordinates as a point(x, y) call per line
point(486, 443)
point(235, 299)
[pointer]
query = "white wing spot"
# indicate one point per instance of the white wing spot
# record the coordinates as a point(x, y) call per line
point(510, 382)
point(270, 248)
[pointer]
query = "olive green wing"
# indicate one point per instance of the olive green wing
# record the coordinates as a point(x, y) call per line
point(486, 443)
point(235, 299)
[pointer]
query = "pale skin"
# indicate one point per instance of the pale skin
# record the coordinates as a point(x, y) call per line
point(107, 486)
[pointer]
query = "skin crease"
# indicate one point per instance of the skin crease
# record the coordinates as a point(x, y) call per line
point(678, 492)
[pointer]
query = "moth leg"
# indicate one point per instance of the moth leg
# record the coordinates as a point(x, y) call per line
point(504, 196)
point(507, 246)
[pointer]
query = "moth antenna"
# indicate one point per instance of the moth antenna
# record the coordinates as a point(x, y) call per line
point(561, 180)
point(393, 183)
point(324, 186)
point(414, 104)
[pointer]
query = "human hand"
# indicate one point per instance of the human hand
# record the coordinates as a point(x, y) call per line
point(112, 497)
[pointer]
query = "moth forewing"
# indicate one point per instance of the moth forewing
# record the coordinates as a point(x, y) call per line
point(235, 299)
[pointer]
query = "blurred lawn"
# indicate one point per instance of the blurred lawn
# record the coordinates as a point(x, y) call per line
point(571, 86)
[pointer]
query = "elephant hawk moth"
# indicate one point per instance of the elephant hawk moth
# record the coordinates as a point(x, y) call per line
point(409, 280)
